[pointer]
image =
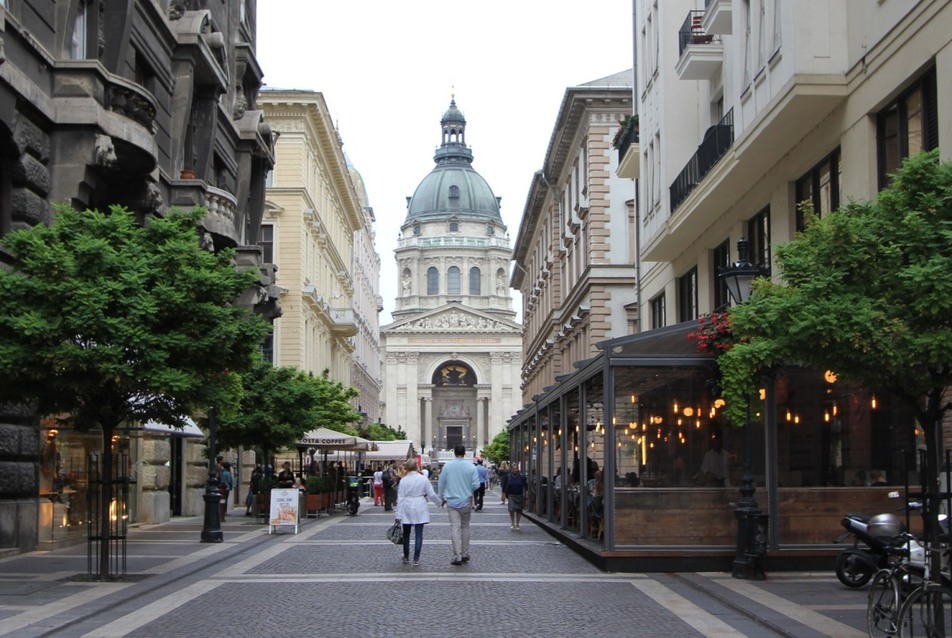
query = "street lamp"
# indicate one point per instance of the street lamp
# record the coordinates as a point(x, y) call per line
point(751, 524)
point(211, 525)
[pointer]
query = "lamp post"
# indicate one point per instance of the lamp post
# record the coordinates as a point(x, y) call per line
point(211, 525)
point(751, 526)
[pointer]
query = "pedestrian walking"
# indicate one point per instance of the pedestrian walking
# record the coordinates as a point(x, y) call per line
point(224, 488)
point(516, 494)
point(378, 488)
point(412, 512)
point(503, 479)
point(389, 479)
point(481, 490)
point(458, 480)
point(254, 488)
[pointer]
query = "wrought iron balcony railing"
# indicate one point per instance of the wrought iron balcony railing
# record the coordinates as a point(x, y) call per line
point(717, 140)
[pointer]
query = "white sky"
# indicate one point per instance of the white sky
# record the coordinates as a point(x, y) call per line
point(387, 70)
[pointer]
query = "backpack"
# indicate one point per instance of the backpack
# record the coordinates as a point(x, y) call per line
point(387, 478)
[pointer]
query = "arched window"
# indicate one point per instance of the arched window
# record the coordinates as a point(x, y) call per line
point(432, 281)
point(453, 281)
point(475, 286)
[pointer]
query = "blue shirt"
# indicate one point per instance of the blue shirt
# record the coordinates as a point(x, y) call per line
point(458, 480)
point(482, 473)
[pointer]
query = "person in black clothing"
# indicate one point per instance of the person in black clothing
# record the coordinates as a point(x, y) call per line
point(254, 488)
point(389, 477)
point(286, 476)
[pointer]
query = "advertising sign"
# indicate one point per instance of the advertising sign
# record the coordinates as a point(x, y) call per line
point(285, 509)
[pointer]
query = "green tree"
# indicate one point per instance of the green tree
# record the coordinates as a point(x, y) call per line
point(380, 432)
point(866, 293)
point(280, 404)
point(106, 321)
point(498, 450)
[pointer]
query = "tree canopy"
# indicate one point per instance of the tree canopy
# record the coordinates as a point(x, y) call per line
point(105, 320)
point(865, 292)
point(280, 404)
point(498, 450)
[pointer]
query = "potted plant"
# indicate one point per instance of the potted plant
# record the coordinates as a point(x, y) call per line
point(629, 122)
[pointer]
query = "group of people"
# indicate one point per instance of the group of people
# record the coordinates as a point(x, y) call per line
point(461, 488)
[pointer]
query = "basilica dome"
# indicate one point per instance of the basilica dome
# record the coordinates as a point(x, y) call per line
point(453, 188)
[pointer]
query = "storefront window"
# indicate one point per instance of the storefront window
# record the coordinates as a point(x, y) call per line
point(64, 489)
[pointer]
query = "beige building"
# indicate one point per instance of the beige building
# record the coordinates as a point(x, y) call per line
point(453, 352)
point(313, 213)
point(575, 252)
point(368, 304)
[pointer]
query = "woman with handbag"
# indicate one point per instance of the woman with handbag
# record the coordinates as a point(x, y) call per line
point(412, 511)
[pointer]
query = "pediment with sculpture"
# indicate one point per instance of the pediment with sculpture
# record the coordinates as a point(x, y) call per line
point(454, 320)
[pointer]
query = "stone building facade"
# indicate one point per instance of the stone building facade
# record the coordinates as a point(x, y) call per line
point(453, 352)
point(575, 251)
point(151, 105)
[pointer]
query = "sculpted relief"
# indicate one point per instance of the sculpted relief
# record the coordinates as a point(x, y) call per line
point(452, 321)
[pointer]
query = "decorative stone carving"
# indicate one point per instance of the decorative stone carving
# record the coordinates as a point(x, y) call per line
point(452, 320)
point(104, 153)
point(176, 9)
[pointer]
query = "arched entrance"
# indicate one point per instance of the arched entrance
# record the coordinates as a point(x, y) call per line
point(454, 401)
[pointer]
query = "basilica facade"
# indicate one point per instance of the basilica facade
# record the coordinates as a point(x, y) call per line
point(452, 355)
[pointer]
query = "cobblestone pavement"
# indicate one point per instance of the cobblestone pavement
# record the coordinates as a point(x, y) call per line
point(339, 576)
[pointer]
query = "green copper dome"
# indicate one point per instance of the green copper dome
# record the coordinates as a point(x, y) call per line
point(453, 188)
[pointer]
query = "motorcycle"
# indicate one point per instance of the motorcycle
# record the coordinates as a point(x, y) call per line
point(872, 537)
point(877, 537)
point(353, 495)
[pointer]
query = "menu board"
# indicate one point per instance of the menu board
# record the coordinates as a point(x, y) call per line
point(285, 509)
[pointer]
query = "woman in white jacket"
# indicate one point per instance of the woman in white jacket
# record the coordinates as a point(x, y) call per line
point(412, 511)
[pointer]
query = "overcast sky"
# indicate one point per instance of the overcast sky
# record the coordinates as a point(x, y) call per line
point(387, 70)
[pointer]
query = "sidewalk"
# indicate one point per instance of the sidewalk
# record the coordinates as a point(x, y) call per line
point(339, 577)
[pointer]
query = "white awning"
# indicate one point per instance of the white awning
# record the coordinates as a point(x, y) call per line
point(190, 429)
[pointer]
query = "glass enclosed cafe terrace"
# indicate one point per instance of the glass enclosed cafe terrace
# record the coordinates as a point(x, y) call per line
point(644, 412)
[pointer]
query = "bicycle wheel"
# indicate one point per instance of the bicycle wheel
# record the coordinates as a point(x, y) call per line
point(927, 613)
point(882, 608)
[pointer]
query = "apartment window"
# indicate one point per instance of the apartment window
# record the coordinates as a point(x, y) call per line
point(820, 187)
point(657, 312)
point(453, 281)
point(758, 237)
point(475, 282)
point(687, 296)
point(906, 126)
point(266, 241)
point(721, 259)
point(432, 281)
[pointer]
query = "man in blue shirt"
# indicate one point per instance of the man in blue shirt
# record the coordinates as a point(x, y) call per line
point(456, 485)
point(481, 490)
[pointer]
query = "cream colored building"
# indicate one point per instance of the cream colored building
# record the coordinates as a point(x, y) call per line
point(313, 213)
point(575, 252)
point(368, 304)
point(453, 351)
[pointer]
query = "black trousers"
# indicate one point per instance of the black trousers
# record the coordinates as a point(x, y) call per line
point(478, 495)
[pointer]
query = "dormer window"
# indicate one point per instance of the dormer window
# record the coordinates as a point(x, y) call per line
point(454, 226)
point(490, 230)
point(416, 230)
